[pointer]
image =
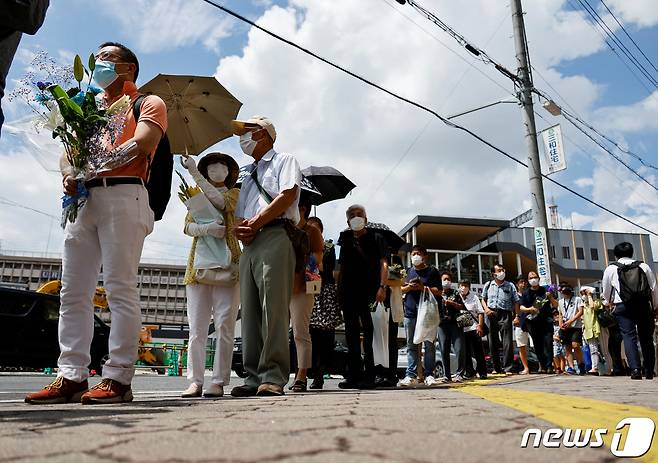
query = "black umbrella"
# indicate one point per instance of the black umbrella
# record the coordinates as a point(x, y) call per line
point(331, 183)
point(393, 240)
point(308, 188)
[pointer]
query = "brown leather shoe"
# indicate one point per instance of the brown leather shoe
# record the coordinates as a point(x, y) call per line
point(108, 391)
point(60, 391)
point(243, 391)
point(269, 389)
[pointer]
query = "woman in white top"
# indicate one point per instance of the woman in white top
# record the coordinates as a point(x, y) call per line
point(474, 332)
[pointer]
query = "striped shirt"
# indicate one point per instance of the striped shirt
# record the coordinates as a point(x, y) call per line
point(500, 297)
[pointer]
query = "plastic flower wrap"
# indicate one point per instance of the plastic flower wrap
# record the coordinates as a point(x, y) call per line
point(86, 130)
point(396, 272)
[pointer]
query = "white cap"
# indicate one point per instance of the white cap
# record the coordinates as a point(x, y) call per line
point(242, 127)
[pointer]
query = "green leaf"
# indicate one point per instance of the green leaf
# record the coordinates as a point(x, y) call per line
point(68, 108)
point(78, 69)
point(92, 62)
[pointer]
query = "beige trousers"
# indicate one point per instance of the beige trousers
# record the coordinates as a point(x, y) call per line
point(301, 307)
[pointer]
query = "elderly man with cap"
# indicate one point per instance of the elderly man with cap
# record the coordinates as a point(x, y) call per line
point(266, 213)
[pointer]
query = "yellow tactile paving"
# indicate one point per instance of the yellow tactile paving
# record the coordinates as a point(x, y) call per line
point(567, 412)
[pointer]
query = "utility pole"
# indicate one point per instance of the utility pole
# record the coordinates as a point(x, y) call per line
point(534, 166)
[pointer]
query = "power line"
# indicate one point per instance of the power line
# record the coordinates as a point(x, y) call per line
point(450, 93)
point(397, 10)
point(592, 157)
point(610, 33)
point(629, 36)
point(573, 122)
point(9, 202)
point(422, 107)
point(474, 50)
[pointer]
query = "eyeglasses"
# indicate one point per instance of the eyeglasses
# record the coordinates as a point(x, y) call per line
point(108, 56)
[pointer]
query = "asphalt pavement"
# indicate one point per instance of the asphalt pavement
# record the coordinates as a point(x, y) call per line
point(479, 421)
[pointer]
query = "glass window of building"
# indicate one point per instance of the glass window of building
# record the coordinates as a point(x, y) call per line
point(580, 253)
point(566, 252)
point(611, 255)
point(594, 253)
point(552, 252)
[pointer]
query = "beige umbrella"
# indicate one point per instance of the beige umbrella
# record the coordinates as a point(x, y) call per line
point(199, 110)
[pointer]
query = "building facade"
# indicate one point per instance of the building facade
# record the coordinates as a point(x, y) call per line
point(469, 248)
point(161, 288)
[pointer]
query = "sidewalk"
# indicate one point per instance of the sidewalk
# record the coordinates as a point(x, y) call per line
point(424, 425)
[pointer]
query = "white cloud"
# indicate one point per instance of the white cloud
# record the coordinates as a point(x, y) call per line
point(584, 182)
point(637, 117)
point(158, 25)
point(325, 117)
point(642, 12)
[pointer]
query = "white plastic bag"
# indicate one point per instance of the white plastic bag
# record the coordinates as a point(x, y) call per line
point(397, 309)
point(380, 335)
point(427, 321)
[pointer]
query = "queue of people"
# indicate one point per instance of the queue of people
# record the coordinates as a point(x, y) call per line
point(283, 250)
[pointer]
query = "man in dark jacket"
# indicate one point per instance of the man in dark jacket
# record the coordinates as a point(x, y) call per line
point(361, 283)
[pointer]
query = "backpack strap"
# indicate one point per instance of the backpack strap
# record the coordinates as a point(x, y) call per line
point(137, 111)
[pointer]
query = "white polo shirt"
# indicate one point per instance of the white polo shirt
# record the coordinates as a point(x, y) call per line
point(611, 280)
point(277, 172)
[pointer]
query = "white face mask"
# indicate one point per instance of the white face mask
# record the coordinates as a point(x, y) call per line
point(217, 172)
point(247, 144)
point(417, 260)
point(357, 223)
point(500, 276)
point(446, 284)
point(533, 281)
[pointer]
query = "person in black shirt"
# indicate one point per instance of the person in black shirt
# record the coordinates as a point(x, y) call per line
point(451, 334)
point(540, 322)
point(361, 282)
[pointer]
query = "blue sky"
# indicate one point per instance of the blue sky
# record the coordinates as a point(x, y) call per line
point(326, 119)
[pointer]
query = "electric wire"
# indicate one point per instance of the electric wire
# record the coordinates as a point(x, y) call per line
point(629, 36)
point(614, 50)
point(630, 55)
point(422, 107)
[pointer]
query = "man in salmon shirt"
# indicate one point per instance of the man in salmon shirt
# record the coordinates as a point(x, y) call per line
point(109, 231)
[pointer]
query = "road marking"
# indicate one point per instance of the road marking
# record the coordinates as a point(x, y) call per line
point(567, 411)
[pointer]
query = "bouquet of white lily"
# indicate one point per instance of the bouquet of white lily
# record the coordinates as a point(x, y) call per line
point(75, 116)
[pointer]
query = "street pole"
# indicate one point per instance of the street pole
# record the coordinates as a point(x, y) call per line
point(534, 166)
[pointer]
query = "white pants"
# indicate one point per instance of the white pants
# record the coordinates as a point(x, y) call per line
point(109, 231)
point(301, 307)
point(222, 303)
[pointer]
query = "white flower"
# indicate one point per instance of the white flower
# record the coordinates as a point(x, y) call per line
point(118, 106)
point(55, 119)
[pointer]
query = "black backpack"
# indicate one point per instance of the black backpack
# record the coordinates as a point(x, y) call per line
point(634, 288)
point(160, 170)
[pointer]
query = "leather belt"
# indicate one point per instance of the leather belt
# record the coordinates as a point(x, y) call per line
point(111, 181)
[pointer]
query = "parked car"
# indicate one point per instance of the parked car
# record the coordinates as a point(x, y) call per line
point(28, 331)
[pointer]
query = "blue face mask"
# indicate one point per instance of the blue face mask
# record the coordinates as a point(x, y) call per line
point(104, 73)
